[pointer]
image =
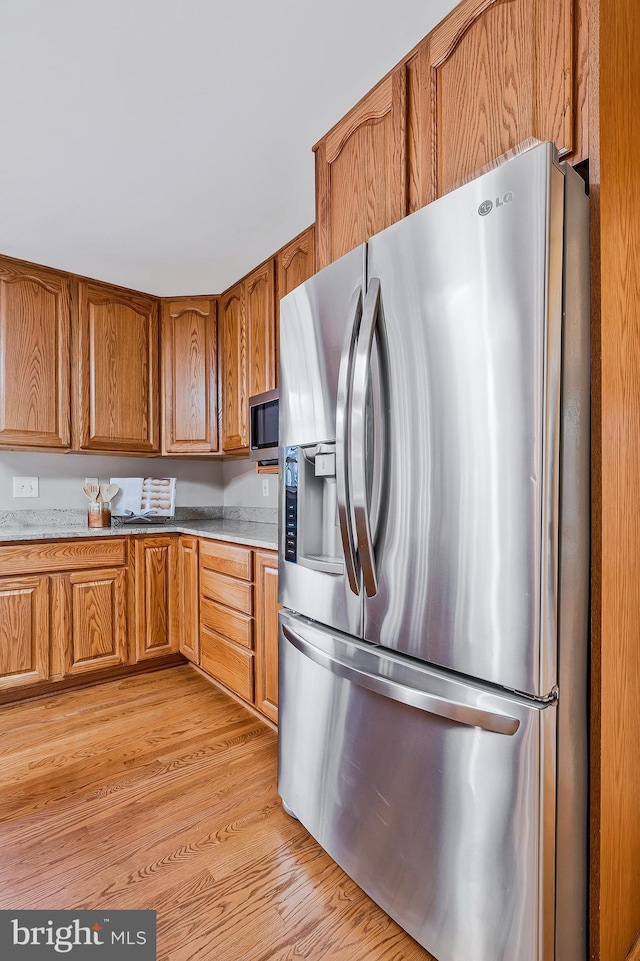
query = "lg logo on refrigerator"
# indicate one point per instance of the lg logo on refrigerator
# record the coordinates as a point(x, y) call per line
point(487, 205)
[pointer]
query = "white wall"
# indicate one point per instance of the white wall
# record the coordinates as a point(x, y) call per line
point(199, 482)
point(243, 486)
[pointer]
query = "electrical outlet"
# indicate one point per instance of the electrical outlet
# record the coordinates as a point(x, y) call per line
point(265, 486)
point(25, 487)
point(91, 480)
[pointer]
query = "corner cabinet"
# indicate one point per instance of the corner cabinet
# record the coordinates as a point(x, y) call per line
point(361, 171)
point(35, 364)
point(248, 346)
point(116, 371)
point(189, 376)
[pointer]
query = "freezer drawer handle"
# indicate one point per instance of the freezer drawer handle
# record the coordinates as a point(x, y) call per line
point(431, 703)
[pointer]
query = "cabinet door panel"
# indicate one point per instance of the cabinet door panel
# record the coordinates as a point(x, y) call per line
point(35, 326)
point(226, 591)
point(266, 681)
point(261, 325)
point(189, 614)
point(231, 665)
point(190, 384)
point(296, 262)
point(492, 76)
point(230, 624)
point(91, 620)
point(235, 408)
point(24, 631)
point(361, 171)
point(229, 559)
point(156, 597)
point(117, 370)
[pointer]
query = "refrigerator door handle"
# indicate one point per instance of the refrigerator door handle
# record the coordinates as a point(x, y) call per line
point(422, 700)
point(343, 442)
point(361, 370)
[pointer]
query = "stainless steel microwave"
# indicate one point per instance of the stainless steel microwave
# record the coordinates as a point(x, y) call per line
point(263, 427)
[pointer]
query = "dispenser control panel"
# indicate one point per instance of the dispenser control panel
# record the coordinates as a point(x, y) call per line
point(291, 504)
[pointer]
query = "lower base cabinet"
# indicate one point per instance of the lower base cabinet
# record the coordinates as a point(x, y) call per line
point(239, 622)
point(24, 631)
point(89, 622)
point(78, 607)
point(188, 591)
point(156, 589)
point(266, 631)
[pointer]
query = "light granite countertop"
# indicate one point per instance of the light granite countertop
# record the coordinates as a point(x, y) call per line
point(247, 532)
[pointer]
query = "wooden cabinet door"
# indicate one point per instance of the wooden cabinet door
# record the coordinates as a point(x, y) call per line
point(296, 262)
point(233, 334)
point(24, 631)
point(492, 75)
point(116, 364)
point(266, 621)
point(260, 305)
point(35, 328)
point(156, 596)
point(188, 608)
point(89, 620)
point(361, 171)
point(190, 381)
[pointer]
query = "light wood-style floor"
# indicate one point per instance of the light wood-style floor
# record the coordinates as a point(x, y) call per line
point(159, 792)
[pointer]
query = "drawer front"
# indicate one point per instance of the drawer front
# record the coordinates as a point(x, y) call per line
point(227, 591)
point(227, 559)
point(231, 624)
point(229, 664)
point(73, 555)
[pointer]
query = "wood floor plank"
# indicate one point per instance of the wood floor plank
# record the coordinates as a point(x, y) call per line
point(158, 791)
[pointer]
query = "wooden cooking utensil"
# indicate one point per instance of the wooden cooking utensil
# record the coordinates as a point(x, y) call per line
point(108, 492)
point(91, 491)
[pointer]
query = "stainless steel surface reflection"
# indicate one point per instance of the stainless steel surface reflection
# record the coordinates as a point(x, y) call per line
point(466, 309)
point(437, 819)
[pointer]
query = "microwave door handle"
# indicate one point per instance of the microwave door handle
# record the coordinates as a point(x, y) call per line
point(343, 442)
point(361, 373)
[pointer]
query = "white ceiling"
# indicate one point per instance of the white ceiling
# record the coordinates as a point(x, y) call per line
point(166, 144)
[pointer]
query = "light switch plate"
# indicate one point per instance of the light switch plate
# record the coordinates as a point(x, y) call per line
point(265, 486)
point(25, 487)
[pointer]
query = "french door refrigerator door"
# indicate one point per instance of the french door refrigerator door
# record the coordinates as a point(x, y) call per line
point(435, 795)
point(319, 322)
point(470, 303)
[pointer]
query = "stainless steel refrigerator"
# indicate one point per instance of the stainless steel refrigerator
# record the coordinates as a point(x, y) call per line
point(434, 565)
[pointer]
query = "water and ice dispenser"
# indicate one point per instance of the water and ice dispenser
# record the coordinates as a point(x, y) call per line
point(312, 531)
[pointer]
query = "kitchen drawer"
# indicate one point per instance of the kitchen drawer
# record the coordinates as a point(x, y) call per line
point(228, 663)
point(69, 555)
point(227, 559)
point(231, 624)
point(227, 591)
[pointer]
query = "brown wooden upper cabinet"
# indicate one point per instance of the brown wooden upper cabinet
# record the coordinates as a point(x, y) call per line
point(248, 360)
point(116, 370)
point(295, 263)
point(35, 330)
point(189, 381)
point(492, 75)
point(361, 171)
